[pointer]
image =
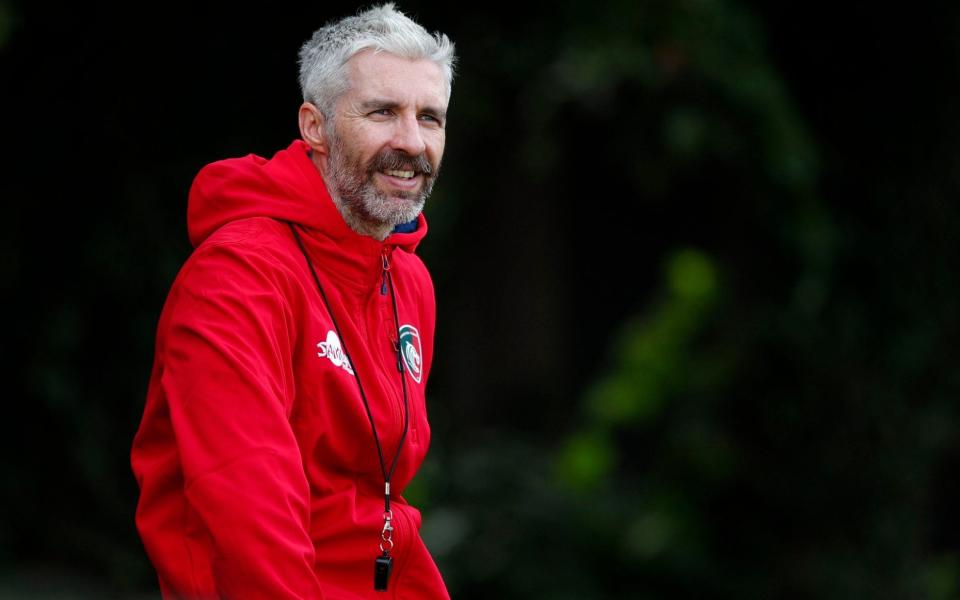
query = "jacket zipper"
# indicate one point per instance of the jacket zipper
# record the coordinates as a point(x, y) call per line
point(393, 339)
point(385, 271)
point(396, 344)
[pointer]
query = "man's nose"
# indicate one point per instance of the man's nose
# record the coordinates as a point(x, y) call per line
point(408, 137)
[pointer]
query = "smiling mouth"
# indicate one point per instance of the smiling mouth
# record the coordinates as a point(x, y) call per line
point(399, 174)
point(400, 183)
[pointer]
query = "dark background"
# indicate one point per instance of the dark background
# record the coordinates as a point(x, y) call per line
point(696, 274)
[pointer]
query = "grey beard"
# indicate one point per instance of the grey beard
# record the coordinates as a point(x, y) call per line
point(366, 209)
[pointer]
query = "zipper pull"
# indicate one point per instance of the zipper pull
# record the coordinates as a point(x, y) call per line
point(385, 273)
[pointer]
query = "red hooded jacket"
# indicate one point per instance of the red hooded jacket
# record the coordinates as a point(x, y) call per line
point(257, 466)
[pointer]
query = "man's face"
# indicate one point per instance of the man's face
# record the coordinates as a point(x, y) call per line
point(386, 137)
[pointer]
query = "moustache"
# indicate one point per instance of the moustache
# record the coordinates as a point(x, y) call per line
point(401, 161)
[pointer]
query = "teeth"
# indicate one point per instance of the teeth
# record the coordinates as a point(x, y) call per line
point(403, 174)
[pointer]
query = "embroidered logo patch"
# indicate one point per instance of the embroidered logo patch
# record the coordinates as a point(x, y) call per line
point(411, 351)
point(333, 349)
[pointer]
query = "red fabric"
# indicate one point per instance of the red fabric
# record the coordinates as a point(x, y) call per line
point(258, 472)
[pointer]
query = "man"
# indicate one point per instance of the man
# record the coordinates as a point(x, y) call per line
point(285, 412)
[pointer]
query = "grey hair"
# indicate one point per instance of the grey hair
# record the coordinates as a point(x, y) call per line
point(323, 59)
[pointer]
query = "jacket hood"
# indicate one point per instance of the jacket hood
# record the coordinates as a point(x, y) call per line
point(287, 187)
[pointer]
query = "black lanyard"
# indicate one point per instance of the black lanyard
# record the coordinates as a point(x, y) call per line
point(383, 563)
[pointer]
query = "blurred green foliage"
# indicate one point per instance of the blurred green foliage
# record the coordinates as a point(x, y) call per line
point(750, 431)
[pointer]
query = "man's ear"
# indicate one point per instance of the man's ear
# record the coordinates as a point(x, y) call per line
point(312, 129)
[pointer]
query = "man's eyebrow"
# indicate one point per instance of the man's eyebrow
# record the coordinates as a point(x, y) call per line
point(382, 103)
point(378, 103)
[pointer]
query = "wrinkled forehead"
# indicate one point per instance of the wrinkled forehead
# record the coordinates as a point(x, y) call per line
point(417, 82)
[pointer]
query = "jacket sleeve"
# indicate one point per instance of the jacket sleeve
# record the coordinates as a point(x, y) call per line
point(228, 379)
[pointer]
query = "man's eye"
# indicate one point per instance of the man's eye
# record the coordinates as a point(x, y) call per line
point(430, 118)
point(382, 112)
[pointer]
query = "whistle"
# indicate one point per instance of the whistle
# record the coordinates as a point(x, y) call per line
point(381, 572)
